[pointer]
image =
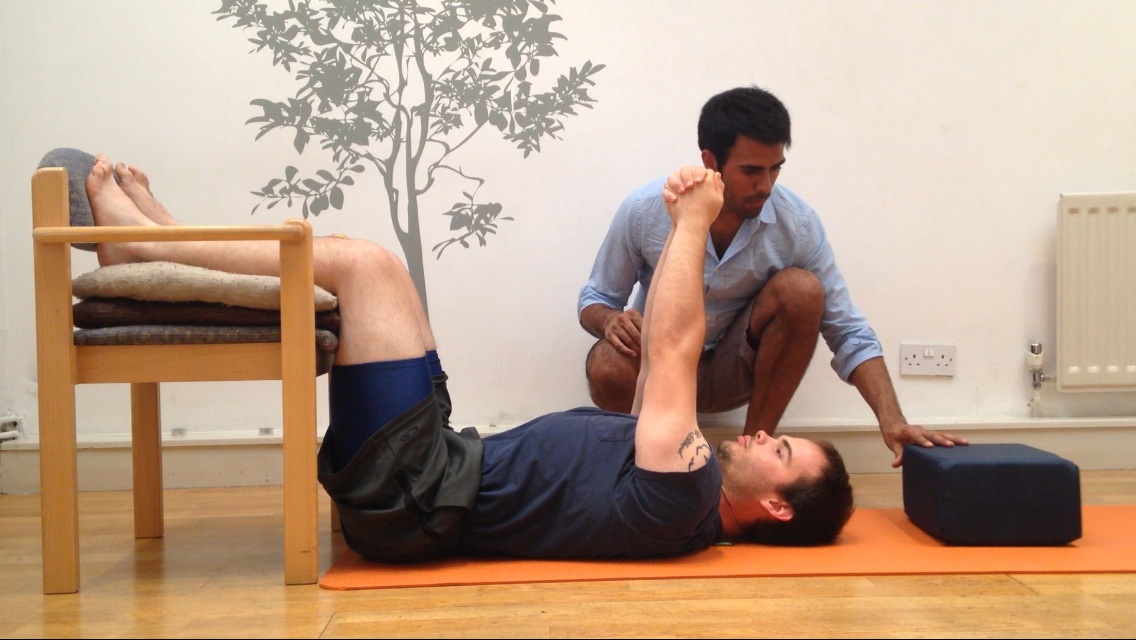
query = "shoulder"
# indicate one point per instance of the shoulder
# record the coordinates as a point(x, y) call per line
point(646, 198)
point(787, 204)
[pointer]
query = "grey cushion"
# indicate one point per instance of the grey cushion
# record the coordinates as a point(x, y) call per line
point(78, 165)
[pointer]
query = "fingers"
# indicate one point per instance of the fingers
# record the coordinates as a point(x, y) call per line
point(636, 320)
point(952, 439)
point(624, 343)
point(683, 179)
point(927, 438)
point(921, 437)
point(622, 348)
point(624, 332)
point(692, 175)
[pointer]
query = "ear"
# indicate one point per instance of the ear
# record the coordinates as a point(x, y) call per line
point(709, 161)
point(779, 509)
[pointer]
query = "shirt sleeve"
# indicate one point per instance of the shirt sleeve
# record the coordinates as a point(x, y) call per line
point(845, 329)
point(671, 505)
point(618, 263)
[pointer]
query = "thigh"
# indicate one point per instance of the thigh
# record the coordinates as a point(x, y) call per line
point(363, 398)
point(725, 373)
point(404, 496)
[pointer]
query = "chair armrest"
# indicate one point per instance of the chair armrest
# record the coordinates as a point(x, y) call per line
point(292, 231)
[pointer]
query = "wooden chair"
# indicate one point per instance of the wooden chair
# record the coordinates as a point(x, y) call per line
point(62, 365)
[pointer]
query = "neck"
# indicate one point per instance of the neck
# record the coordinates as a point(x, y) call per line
point(731, 527)
point(723, 230)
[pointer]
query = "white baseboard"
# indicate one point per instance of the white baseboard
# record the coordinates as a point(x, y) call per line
point(244, 461)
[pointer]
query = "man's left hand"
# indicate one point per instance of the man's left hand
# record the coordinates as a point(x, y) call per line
point(898, 434)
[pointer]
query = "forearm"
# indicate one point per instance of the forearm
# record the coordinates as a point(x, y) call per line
point(872, 380)
point(678, 328)
point(594, 318)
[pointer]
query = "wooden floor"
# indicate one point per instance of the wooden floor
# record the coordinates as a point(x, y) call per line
point(217, 573)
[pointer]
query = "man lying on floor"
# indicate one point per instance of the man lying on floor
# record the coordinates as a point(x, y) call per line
point(576, 484)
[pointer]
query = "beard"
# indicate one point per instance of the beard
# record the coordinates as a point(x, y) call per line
point(749, 207)
point(725, 452)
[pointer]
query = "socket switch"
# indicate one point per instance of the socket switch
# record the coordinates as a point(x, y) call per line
point(927, 359)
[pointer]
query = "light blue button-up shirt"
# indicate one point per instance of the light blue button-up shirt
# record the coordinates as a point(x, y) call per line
point(787, 233)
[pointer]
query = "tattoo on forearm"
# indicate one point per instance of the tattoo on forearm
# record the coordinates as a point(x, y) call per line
point(701, 449)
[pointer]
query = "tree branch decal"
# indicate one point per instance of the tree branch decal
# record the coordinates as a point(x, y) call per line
point(397, 87)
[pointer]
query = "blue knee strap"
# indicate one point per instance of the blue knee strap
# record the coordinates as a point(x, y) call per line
point(365, 397)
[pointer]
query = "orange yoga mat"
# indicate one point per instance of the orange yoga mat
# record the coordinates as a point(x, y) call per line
point(875, 542)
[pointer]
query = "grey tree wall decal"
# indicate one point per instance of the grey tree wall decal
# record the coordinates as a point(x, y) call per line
point(398, 87)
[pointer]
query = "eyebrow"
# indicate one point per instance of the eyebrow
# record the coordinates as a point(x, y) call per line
point(789, 449)
point(779, 165)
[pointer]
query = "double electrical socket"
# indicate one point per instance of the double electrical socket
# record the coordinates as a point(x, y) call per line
point(927, 359)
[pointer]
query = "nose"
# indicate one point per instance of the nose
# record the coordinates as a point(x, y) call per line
point(764, 182)
point(761, 437)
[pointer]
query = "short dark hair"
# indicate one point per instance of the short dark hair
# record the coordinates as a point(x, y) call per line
point(745, 111)
point(821, 507)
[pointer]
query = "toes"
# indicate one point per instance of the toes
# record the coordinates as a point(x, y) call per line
point(124, 173)
point(141, 177)
point(101, 170)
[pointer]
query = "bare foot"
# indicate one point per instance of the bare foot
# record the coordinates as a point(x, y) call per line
point(137, 185)
point(111, 207)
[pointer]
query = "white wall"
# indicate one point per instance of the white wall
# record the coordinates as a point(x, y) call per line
point(933, 137)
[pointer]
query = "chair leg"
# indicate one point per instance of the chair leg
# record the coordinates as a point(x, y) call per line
point(301, 508)
point(146, 449)
point(55, 357)
point(59, 485)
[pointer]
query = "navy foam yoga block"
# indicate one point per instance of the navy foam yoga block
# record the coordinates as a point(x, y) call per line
point(992, 495)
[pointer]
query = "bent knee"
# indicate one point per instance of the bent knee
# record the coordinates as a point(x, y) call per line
point(340, 260)
point(797, 292)
point(794, 293)
point(364, 256)
point(612, 377)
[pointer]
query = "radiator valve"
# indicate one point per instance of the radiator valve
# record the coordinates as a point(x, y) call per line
point(1036, 363)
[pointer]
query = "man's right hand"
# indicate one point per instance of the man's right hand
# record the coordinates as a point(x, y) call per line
point(703, 200)
point(623, 330)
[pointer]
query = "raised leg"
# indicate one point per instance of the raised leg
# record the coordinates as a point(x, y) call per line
point(136, 185)
point(382, 317)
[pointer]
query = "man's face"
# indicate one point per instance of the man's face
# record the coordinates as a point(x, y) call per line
point(756, 465)
point(750, 170)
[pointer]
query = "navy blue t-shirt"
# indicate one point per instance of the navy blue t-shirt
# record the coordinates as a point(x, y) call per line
point(566, 486)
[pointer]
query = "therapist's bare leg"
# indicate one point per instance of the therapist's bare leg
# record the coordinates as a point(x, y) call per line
point(784, 330)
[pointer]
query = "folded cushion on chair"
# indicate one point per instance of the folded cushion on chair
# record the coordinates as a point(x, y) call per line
point(326, 341)
point(97, 313)
point(172, 282)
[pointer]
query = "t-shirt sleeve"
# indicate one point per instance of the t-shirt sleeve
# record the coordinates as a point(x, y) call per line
point(670, 505)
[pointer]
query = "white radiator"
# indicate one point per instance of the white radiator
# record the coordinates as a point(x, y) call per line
point(1096, 292)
